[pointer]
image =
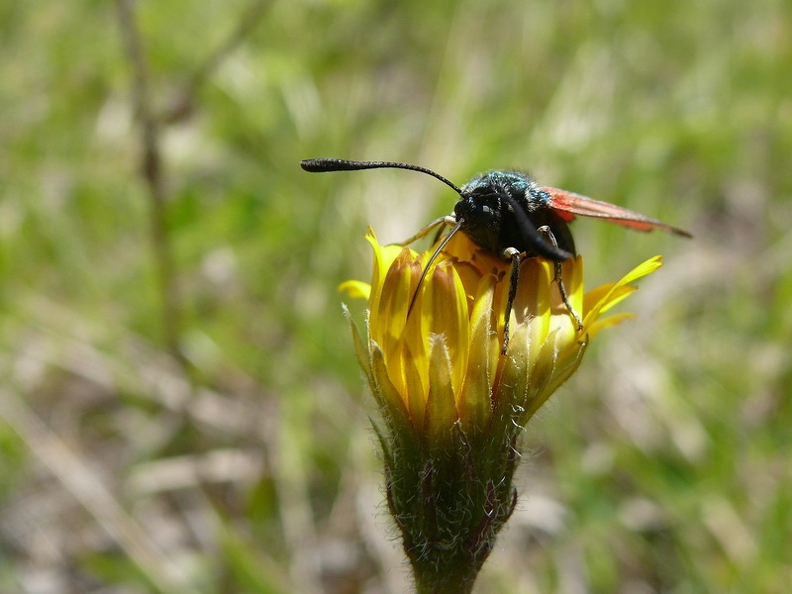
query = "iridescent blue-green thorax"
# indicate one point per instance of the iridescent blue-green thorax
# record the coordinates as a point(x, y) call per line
point(487, 208)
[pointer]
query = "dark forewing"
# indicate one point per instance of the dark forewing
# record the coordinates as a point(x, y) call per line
point(568, 203)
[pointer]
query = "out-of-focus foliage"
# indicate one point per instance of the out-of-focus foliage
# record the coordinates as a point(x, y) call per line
point(248, 465)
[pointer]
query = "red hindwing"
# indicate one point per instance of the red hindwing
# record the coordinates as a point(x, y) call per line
point(569, 204)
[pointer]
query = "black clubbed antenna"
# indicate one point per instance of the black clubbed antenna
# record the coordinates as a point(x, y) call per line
point(333, 164)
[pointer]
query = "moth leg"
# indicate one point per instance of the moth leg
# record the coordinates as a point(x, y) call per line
point(531, 236)
point(557, 277)
point(514, 279)
point(449, 221)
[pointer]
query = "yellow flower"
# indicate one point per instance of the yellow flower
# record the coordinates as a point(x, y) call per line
point(452, 403)
point(433, 360)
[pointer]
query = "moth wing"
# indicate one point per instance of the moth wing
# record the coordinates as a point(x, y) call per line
point(569, 204)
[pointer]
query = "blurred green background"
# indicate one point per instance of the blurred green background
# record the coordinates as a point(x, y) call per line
point(180, 408)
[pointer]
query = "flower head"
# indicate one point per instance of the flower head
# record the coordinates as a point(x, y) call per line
point(434, 358)
point(452, 402)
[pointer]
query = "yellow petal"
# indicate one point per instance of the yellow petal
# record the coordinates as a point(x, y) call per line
point(474, 399)
point(603, 298)
point(387, 394)
point(389, 315)
point(444, 312)
point(356, 289)
point(608, 322)
point(441, 412)
point(415, 390)
point(384, 257)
